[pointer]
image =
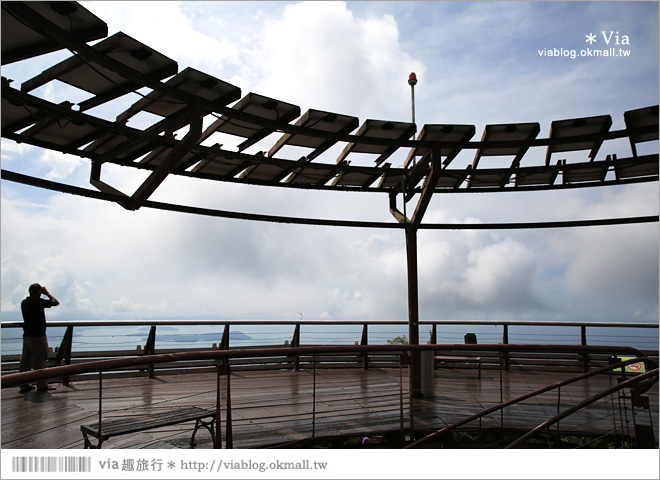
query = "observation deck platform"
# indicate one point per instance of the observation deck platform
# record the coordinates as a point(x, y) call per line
point(279, 408)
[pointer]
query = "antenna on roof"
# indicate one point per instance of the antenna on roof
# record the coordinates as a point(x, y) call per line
point(412, 81)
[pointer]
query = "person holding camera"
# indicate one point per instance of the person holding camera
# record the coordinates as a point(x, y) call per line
point(35, 343)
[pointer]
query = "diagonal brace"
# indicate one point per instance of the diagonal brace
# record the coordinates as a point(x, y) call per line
point(170, 162)
point(427, 189)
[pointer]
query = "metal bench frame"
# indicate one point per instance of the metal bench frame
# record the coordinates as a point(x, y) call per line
point(140, 423)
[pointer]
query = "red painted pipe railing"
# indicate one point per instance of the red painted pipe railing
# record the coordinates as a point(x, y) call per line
point(15, 379)
point(636, 380)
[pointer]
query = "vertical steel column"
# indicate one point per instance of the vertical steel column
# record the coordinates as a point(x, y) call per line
point(217, 441)
point(295, 342)
point(365, 341)
point(150, 348)
point(401, 427)
point(64, 352)
point(413, 311)
point(313, 396)
point(585, 356)
point(505, 341)
point(224, 343)
point(229, 435)
point(100, 407)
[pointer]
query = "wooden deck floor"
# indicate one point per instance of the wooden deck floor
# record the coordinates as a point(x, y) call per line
point(275, 407)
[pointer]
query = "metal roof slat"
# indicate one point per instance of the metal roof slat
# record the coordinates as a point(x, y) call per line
point(102, 82)
point(574, 127)
point(584, 172)
point(256, 105)
point(189, 81)
point(525, 132)
point(316, 121)
point(545, 175)
point(20, 42)
point(441, 133)
point(642, 117)
point(395, 131)
point(643, 166)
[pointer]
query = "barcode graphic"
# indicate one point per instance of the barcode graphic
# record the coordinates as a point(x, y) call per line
point(51, 464)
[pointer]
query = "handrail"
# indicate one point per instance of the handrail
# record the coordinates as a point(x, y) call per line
point(539, 323)
point(534, 393)
point(625, 384)
point(15, 379)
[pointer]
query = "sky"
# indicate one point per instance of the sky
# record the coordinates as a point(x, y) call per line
point(477, 63)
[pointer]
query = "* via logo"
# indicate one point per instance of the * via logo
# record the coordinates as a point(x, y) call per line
point(608, 37)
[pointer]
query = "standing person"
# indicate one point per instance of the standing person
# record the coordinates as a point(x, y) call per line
point(35, 343)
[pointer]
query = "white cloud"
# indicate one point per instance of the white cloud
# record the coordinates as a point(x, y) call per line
point(476, 64)
point(60, 166)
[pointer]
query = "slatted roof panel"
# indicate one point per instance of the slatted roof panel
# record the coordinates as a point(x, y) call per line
point(62, 132)
point(636, 167)
point(15, 115)
point(441, 134)
point(316, 121)
point(391, 179)
point(314, 174)
point(106, 142)
point(536, 176)
point(265, 172)
point(20, 42)
point(576, 127)
point(511, 132)
point(190, 81)
point(642, 117)
point(224, 164)
point(584, 172)
point(491, 177)
point(124, 62)
point(105, 84)
point(381, 130)
point(452, 179)
point(358, 178)
point(258, 106)
point(156, 156)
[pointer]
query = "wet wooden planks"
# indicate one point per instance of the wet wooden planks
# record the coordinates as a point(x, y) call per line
point(273, 407)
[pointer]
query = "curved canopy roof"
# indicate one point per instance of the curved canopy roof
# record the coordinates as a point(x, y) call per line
point(178, 102)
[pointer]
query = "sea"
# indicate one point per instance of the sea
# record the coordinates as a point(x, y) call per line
point(244, 334)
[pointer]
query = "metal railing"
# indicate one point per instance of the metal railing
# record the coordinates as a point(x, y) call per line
point(151, 337)
point(641, 383)
point(223, 367)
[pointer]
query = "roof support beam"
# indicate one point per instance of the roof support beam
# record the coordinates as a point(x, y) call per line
point(428, 188)
point(411, 261)
point(171, 161)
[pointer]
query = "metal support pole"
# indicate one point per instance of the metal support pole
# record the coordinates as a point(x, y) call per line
point(100, 405)
point(401, 427)
point(585, 356)
point(412, 81)
point(150, 348)
point(365, 341)
point(505, 341)
point(313, 396)
point(229, 435)
point(413, 312)
point(217, 442)
point(64, 352)
point(295, 342)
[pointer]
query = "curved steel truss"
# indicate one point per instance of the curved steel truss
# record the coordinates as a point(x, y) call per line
point(180, 101)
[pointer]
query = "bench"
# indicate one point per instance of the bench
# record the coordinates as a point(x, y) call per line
point(451, 358)
point(140, 423)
